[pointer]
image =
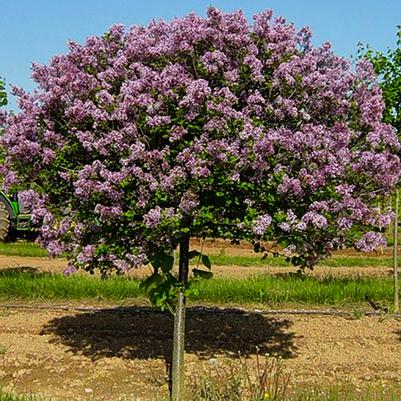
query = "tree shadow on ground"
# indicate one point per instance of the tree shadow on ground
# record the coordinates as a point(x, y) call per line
point(147, 333)
point(27, 271)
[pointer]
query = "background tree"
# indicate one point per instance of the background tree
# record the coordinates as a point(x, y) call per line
point(388, 68)
point(3, 93)
point(202, 127)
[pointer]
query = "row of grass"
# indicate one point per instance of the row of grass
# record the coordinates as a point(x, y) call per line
point(23, 248)
point(263, 289)
point(29, 249)
point(334, 261)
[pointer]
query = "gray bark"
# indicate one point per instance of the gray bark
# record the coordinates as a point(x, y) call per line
point(178, 373)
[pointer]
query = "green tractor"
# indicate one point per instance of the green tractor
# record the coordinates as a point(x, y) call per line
point(15, 220)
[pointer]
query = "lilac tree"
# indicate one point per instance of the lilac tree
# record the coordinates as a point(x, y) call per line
point(201, 127)
point(387, 66)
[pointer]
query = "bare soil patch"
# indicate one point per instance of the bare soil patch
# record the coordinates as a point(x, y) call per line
point(215, 246)
point(109, 355)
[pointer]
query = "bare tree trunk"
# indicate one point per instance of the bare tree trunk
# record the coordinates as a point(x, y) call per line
point(395, 254)
point(178, 373)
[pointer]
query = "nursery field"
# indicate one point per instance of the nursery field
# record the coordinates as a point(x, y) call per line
point(111, 355)
point(83, 338)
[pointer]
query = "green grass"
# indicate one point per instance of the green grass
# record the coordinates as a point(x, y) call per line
point(12, 397)
point(21, 284)
point(22, 248)
point(293, 289)
point(335, 261)
point(264, 289)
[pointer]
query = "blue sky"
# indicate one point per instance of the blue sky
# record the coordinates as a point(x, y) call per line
point(35, 30)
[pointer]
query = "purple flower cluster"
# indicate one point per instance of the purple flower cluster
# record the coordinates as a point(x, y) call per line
point(370, 242)
point(261, 224)
point(153, 217)
point(141, 136)
point(316, 219)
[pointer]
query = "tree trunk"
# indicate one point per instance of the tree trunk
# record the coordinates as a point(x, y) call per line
point(178, 376)
point(395, 254)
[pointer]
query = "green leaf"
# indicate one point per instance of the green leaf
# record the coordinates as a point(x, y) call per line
point(202, 273)
point(167, 263)
point(163, 261)
point(206, 261)
point(155, 278)
point(193, 254)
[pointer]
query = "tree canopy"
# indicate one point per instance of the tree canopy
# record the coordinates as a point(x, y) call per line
point(387, 66)
point(201, 127)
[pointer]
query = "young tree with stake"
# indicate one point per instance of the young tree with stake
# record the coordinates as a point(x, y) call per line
point(139, 140)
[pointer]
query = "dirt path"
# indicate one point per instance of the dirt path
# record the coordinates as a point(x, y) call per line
point(59, 265)
point(105, 355)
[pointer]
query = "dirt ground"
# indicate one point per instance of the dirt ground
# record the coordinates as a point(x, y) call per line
point(109, 355)
point(116, 355)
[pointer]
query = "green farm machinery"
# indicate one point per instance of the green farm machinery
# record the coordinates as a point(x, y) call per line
point(15, 220)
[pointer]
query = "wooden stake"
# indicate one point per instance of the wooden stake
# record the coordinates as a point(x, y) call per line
point(395, 255)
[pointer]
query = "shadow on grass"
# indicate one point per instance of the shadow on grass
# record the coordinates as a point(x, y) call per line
point(24, 271)
point(146, 333)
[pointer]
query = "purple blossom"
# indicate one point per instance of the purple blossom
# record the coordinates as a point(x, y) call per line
point(29, 198)
point(345, 189)
point(301, 226)
point(48, 156)
point(290, 185)
point(379, 219)
point(291, 216)
point(261, 224)
point(108, 213)
point(316, 219)
point(189, 202)
point(344, 223)
point(197, 92)
point(177, 133)
point(153, 217)
point(54, 248)
point(9, 180)
point(105, 97)
point(289, 250)
point(87, 254)
point(215, 61)
point(286, 227)
point(136, 260)
point(122, 265)
point(71, 269)
point(370, 242)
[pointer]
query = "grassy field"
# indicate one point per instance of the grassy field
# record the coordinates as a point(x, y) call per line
point(264, 289)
